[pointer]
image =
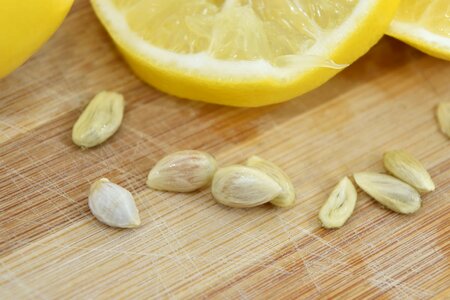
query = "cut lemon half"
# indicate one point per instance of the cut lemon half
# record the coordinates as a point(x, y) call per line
point(25, 25)
point(425, 25)
point(242, 52)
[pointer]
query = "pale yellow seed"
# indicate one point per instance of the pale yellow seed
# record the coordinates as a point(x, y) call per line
point(389, 191)
point(100, 120)
point(443, 115)
point(339, 206)
point(241, 186)
point(287, 195)
point(405, 167)
point(182, 171)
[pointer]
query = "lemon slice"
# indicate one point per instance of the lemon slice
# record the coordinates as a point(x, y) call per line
point(242, 52)
point(24, 27)
point(425, 25)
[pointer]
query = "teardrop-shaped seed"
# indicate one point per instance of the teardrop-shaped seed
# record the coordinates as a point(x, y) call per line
point(241, 186)
point(287, 195)
point(339, 205)
point(100, 120)
point(406, 167)
point(182, 171)
point(113, 205)
point(389, 191)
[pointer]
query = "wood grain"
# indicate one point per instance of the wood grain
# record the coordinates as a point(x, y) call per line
point(190, 247)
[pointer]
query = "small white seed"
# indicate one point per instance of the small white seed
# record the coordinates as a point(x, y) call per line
point(406, 167)
point(287, 195)
point(389, 191)
point(100, 120)
point(339, 206)
point(113, 205)
point(241, 186)
point(182, 171)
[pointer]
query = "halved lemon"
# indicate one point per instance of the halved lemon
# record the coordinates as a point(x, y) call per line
point(242, 52)
point(425, 25)
point(25, 25)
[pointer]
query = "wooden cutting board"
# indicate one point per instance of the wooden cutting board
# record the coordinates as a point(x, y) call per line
point(51, 247)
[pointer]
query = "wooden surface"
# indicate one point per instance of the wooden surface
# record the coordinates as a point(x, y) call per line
point(51, 247)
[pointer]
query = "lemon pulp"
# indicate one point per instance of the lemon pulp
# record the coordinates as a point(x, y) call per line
point(234, 30)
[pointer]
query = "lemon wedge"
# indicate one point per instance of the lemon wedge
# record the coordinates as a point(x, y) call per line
point(425, 25)
point(242, 52)
point(25, 25)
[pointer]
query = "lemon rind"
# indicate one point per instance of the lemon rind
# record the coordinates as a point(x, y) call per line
point(421, 38)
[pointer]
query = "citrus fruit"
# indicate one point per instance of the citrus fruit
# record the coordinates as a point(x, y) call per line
point(25, 25)
point(242, 52)
point(425, 25)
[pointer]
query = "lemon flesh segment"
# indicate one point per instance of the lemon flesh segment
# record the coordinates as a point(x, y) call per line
point(25, 26)
point(425, 25)
point(242, 52)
